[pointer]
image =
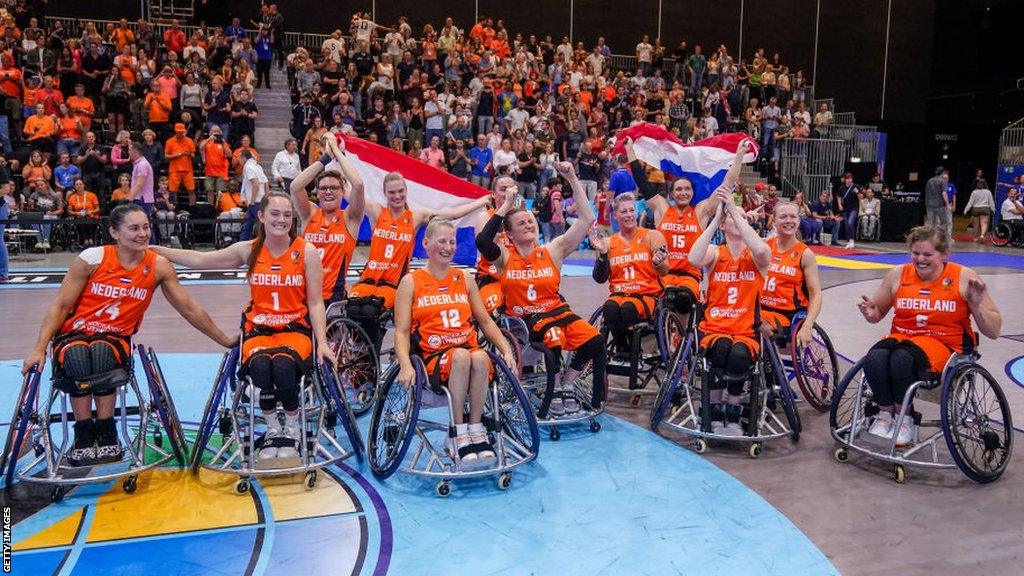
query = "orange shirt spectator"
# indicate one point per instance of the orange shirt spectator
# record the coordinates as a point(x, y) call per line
point(40, 126)
point(500, 47)
point(179, 151)
point(477, 32)
point(175, 39)
point(158, 106)
point(82, 107)
point(123, 36)
point(87, 202)
point(119, 194)
point(236, 161)
point(216, 155)
point(10, 82)
point(228, 200)
point(69, 128)
point(51, 99)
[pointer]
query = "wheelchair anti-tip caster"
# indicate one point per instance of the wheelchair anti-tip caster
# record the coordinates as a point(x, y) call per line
point(310, 480)
point(130, 484)
point(443, 488)
point(899, 474)
point(57, 494)
point(700, 446)
point(554, 434)
point(504, 481)
point(841, 455)
point(242, 486)
point(595, 426)
point(755, 450)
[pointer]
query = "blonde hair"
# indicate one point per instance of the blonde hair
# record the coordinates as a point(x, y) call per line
point(436, 223)
point(937, 236)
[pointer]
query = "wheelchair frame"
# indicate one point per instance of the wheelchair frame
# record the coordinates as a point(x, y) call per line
point(397, 420)
point(34, 416)
point(817, 381)
point(861, 219)
point(534, 383)
point(233, 408)
point(690, 402)
point(1008, 232)
point(922, 453)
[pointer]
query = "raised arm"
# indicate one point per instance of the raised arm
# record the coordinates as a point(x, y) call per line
point(702, 254)
point(421, 217)
point(732, 176)
point(307, 176)
point(485, 238)
point(189, 309)
point(567, 243)
point(760, 251)
point(356, 195)
point(233, 256)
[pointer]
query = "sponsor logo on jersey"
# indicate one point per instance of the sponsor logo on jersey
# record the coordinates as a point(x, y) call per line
point(434, 341)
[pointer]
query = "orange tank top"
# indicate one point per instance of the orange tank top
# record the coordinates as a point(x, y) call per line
point(681, 228)
point(441, 314)
point(734, 285)
point(277, 287)
point(530, 283)
point(115, 299)
point(487, 271)
point(631, 271)
point(335, 244)
point(784, 288)
point(935, 308)
point(390, 249)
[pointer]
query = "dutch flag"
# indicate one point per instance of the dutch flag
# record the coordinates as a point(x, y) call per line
point(428, 189)
point(704, 162)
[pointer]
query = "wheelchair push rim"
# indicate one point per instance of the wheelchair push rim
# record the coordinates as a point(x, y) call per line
point(668, 388)
point(342, 410)
point(358, 363)
point(976, 423)
point(393, 420)
point(161, 401)
point(816, 368)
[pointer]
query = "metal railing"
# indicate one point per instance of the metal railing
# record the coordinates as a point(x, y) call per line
point(1011, 144)
point(861, 141)
point(810, 164)
point(845, 118)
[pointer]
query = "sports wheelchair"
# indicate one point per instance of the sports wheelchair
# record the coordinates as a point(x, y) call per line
point(654, 345)
point(400, 417)
point(869, 227)
point(232, 410)
point(143, 421)
point(359, 363)
point(974, 421)
point(684, 400)
point(534, 360)
point(1008, 232)
point(815, 367)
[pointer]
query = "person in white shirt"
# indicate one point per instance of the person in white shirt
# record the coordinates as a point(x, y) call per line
point(505, 161)
point(643, 55)
point(980, 206)
point(287, 164)
point(1012, 209)
point(335, 45)
point(710, 123)
point(517, 117)
point(254, 186)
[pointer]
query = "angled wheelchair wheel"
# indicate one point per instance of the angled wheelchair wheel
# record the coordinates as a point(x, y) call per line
point(228, 367)
point(1001, 234)
point(816, 367)
point(358, 363)
point(514, 344)
point(976, 422)
point(338, 403)
point(393, 420)
point(516, 413)
point(671, 335)
point(778, 385)
point(847, 399)
point(161, 400)
point(18, 429)
point(684, 369)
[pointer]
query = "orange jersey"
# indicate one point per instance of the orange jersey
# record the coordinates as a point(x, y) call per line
point(530, 283)
point(441, 313)
point(785, 289)
point(631, 270)
point(681, 228)
point(115, 299)
point(335, 244)
point(277, 287)
point(734, 285)
point(485, 269)
point(935, 308)
point(390, 249)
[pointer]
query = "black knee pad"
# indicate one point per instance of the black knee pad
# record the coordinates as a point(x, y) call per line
point(610, 313)
point(718, 354)
point(587, 352)
point(286, 382)
point(259, 371)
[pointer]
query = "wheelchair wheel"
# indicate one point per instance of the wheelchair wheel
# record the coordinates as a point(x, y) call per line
point(686, 362)
point(211, 415)
point(161, 400)
point(393, 420)
point(339, 404)
point(976, 422)
point(1001, 234)
point(516, 414)
point(513, 343)
point(816, 367)
point(846, 400)
point(778, 385)
point(671, 336)
point(358, 363)
point(18, 429)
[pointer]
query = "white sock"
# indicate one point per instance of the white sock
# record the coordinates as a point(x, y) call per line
point(291, 420)
point(477, 429)
point(272, 421)
point(461, 429)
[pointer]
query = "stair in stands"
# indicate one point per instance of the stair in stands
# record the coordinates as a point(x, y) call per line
point(275, 113)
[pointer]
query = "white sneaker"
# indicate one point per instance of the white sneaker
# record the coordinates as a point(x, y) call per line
point(557, 407)
point(269, 452)
point(882, 426)
point(907, 433)
point(732, 429)
point(850, 245)
point(292, 434)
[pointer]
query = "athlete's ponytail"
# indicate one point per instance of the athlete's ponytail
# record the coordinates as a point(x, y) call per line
point(261, 234)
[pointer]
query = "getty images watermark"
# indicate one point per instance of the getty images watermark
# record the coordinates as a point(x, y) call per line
point(7, 539)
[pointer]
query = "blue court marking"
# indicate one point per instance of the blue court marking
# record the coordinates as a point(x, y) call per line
point(621, 501)
point(1015, 371)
